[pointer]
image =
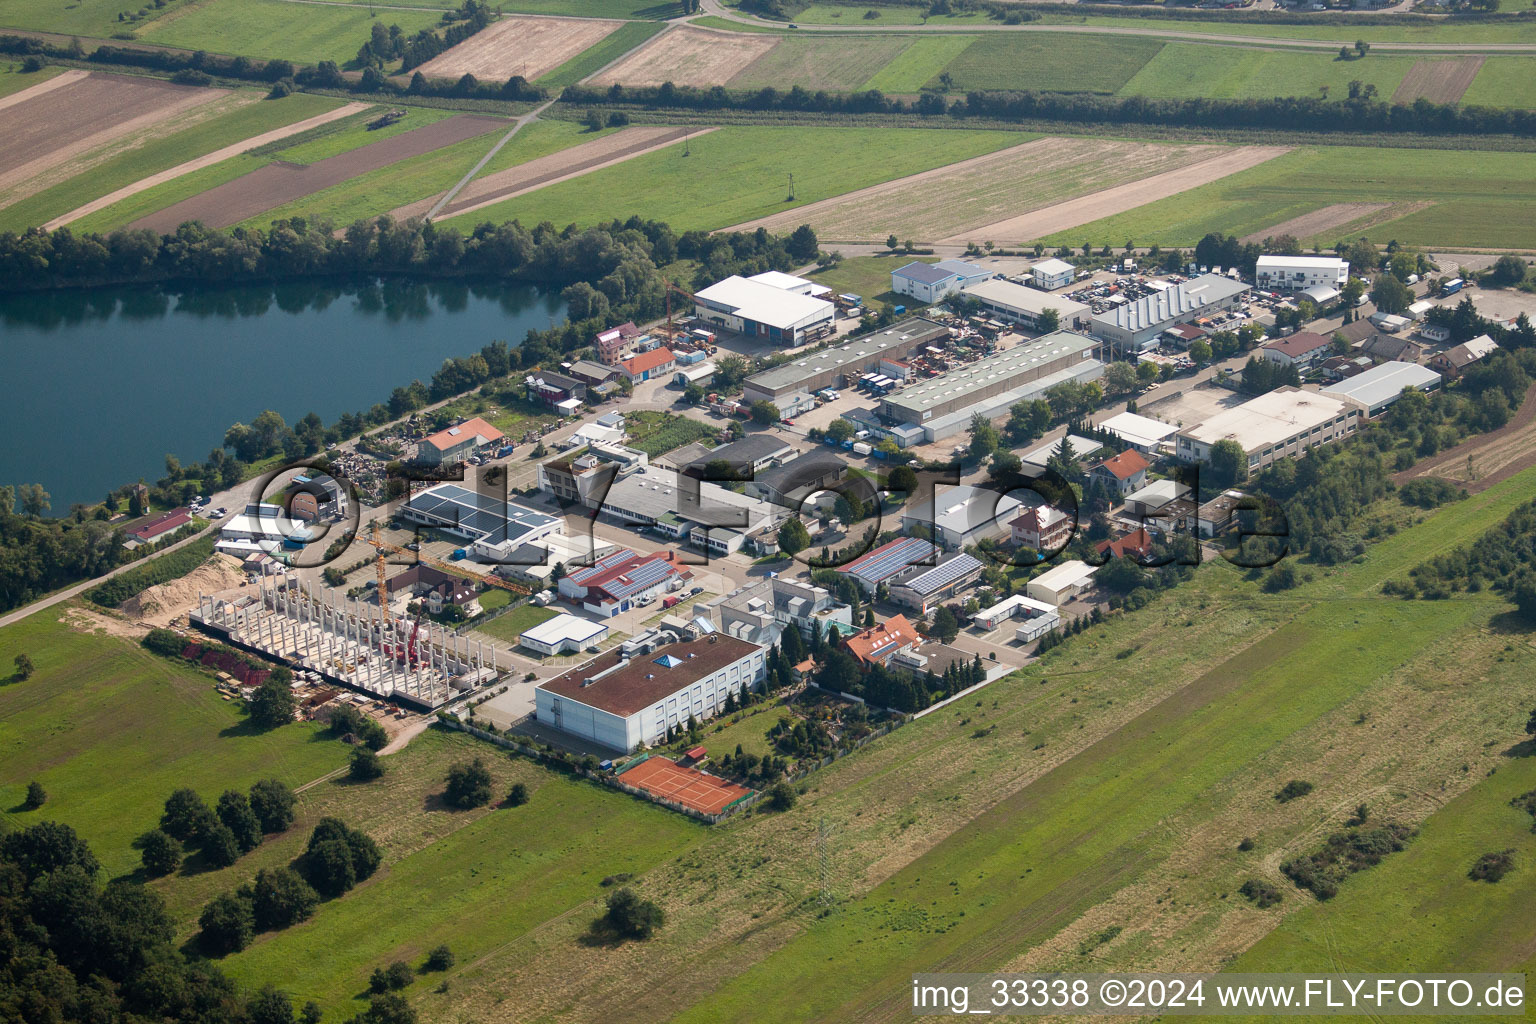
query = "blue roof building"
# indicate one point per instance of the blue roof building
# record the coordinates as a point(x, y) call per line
point(933, 282)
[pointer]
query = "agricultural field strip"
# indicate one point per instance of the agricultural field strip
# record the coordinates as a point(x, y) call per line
point(524, 45)
point(1081, 210)
point(686, 55)
point(1326, 218)
point(207, 160)
point(32, 92)
point(277, 183)
point(101, 107)
point(570, 163)
point(1439, 81)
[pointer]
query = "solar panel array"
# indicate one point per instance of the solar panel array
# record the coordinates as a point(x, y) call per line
point(943, 574)
point(889, 559)
point(601, 566)
point(488, 517)
point(641, 577)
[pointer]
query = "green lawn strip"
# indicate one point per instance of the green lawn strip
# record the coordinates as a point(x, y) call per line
point(838, 64)
point(1498, 187)
point(514, 624)
point(306, 33)
point(750, 732)
point(737, 174)
point(725, 24)
point(866, 276)
point(159, 155)
point(607, 50)
point(1193, 70)
point(625, 9)
point(853, 17)
point(79, 17)
point(918, 63)
point(13, 79)
point(1503, 82)
point(1507, 31)
point(352, 133)
point(1418, 911)
point(110, 730)
point(483, 878)
point(540, 138)
point(1059, 63)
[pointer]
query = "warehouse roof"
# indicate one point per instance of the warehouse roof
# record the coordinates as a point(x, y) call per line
point(1138, 430)
point(1067, 574)
point(562, 627)
point(889, 559)
point(652, 492)
point(1269, 418)
point(490, 518)
point(943, 574)
point(789, 283)
point(1029, 300)
point(747, 452)
point(1299, 344)
point(1383, 383)
point(1016, 361)
point(923, 273)
point(1300, 261)
point(861, 351)
point(1081, 446)
point(623, 573)
point(1053, 266)
point(622, 686)
point(762, 302)
point(1182, 301)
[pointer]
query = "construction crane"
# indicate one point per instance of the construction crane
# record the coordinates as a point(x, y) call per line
point(408, 655)
point(681, 291)
point(381, 545)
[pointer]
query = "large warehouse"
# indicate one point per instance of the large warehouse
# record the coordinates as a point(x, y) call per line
point(1018, 304)
point(773, 306)
point(965, 386)
point(826, 368)
point(1135, 326)
point(495, 526)
point(1380, 386)
point(1297, 273)
point(1285, 422)
point(624, 699)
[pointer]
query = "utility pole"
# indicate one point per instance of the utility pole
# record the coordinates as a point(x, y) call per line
point(791, 188)
point(686, 138)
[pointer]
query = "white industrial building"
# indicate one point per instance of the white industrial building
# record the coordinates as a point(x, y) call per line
point(494, 526)
point(535, 564)
point(775, 306)
point(933, 282)
point(1134, 327)
point(1061, 583)
point(632, 696)
point(832, 366)
point(1015, 607)
point(1283, 423)
point(962, 515)
point(1017, 304)
point(1297, 273)
point(1052, 274)
point(261, 529)
point(562, 634)
point(1380, 386)
point(1143, 433)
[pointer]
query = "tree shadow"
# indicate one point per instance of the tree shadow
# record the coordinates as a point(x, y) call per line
point(437, 802)
point(601, 935)
point(1511, 623)
point(1525, 748)
point(246, 727)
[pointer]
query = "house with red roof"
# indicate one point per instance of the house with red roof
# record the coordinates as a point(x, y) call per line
point(151, 530)
point(457, 443)
point(1137, 545)
point(1122, 474)
point(645, 365)
point(1301, 350)
point(877, 645)
point(621, 581)
point(1043, 528)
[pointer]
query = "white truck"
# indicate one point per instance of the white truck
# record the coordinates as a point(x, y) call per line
point(861, 448)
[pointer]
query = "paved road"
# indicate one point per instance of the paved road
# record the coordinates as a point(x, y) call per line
point(719, 10)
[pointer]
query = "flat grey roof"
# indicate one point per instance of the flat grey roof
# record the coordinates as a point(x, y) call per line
point(1182, 300)
point(1384, 382)
point(908, 333)
point(1018, 360)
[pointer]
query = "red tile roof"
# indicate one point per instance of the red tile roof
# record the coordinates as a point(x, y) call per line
point(1299, 344)
point(475, 427)
point(1125, 465)
point(1138, 543)
point(648, 360)
point(163, 523)
point(877, 643)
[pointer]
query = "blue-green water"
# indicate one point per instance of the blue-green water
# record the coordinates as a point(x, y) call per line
point(100, 385)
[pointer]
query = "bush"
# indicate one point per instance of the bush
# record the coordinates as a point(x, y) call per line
point(439, 959)
point(1292, 790)
point(1491, 867)
point(36, 796)
point(518, 795)
point(219, 845)
point(160, 853)
point(365, 765)
point(1260, 893)
point(272, 803)
point(191, 76)
point(159, 570)
point(1429, 492)
point(469, 785)
point(1246, 844)
point(338, 857)
point(279, 898)
point(632, 917)
point(225, 925)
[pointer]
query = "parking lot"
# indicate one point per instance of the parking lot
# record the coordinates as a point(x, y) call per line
point(1189, 407)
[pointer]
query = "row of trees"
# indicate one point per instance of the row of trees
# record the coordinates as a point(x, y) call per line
point(235, 826)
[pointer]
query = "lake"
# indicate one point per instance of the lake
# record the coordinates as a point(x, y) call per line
point(100, 385)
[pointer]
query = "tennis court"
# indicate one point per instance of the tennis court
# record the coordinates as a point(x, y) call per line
point(685, 786)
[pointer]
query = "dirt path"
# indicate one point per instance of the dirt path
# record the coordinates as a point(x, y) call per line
point(1439, 81)
point(1319, 220)
point(556, 167)
point(41, 88)
point(1480, 462)
point(207, 160)
point(1084, 209)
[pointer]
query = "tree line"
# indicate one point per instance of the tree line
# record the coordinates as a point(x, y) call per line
point(1353, 114)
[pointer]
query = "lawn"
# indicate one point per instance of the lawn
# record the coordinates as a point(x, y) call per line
point(13, 79)
point(72, 17)
point(1056, 63)
point(609, 49)
point(515, 623)
point(1503, 82)
point(1506, 31)
point(918, 63)
point(159, 154)
point(853, 17)
point(306, 33)
point(110, 730)
point(737, 174)
point(840, 64)
point(747, 729)
point(868, 276)
point(540, 138)
point(1486, 201)
point(657, 433)
point(1192, 70)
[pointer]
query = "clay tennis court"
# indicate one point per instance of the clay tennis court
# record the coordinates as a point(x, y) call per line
point(1439, 81)
point(686, 786)
point(516, 45)
point(689, 56)
point(277, 183)
point(75, 112)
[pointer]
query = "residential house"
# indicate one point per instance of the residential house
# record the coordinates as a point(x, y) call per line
point(1453, 362)
point(1042, 528)
point(1123, 473)
point(880, 645)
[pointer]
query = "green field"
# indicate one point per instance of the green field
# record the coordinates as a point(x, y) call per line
point(1510, 31)
point(837, 64)
point(1503, 82)
point(75, 17)
point(1056, 63)
point(336, 137)
point(162, 153)
point(920, 61)
point(1190, 70)
point(516, 622)
point(110, 730)
point(853, 17)
point(13, 79)
point(736, 174)
point(607, 50)
point(1487, 201)
point(868, 276)
point(300, 32)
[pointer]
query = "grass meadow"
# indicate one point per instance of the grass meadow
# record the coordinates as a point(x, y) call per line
point(1058, 63)
point(1503, 82)
point(110, 729)
point(518, 621)
point(868, 276)
point(834, 64)
point(13, 79)
point(1445, 199)
point(737, 174)
point(921, 61)
point(301, 32)
point(159, 154)
point(1193, 70)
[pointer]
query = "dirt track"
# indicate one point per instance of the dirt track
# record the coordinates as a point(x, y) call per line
point(1085, 209)
point(59, 122)
point(207, 160)
point(516, 45)
point(1480, 462)
point(547, 170)
point(1319, 220)
point(278, 183)
point(689, 56)
point(1439, 81)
